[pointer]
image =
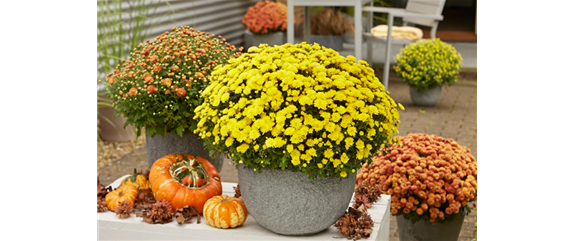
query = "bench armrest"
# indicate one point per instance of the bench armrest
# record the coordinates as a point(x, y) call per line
point(399, 12)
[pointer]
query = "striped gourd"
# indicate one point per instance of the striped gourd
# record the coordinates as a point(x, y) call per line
point(223, 211)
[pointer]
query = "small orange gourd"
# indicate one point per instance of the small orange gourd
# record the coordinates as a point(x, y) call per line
point(223, 211)
point(124, 192)
point(137, 180)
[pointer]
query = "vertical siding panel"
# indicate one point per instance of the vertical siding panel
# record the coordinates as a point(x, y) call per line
point(219, 17)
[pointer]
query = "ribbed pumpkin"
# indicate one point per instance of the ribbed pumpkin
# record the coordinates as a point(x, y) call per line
point(122, 193)
point(137, 180)
point(184, 179)
point(223, 211)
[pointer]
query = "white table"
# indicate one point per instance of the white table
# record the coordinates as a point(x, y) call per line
point(133, 228)
point(358, 4)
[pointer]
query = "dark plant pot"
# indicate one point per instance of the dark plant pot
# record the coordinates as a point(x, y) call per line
point(159, 146)
point(426, 231)
point(330, 41)
point(425, 97)
point(289, 203)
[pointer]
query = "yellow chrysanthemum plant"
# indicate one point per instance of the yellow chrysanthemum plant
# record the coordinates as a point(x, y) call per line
point(428, 63)
point(299, 107)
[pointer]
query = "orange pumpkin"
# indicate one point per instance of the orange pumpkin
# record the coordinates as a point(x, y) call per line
point(137, 180)
point(223, 211)
point(122, 193)
point(184, 179)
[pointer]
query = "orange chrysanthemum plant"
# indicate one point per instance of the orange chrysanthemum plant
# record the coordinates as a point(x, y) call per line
point(428, 177)
point(266, 17)
point(160, 85)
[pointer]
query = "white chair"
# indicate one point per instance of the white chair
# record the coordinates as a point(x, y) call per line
point(422, 12)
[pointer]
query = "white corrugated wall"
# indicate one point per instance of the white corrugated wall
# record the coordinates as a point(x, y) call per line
point(219, 17)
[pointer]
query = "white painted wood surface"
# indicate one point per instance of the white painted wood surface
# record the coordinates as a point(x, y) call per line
point(112, 228)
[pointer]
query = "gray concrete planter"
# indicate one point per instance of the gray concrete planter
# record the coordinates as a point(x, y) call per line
point(276, 38)
point(289, 203)
point(425, 97)
point(330, 41)
point(426, 231)
point(159, 146)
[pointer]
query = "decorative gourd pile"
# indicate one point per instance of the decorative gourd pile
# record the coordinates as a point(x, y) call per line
point(177, 185)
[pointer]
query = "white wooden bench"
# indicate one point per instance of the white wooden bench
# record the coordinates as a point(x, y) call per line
point(133, 228)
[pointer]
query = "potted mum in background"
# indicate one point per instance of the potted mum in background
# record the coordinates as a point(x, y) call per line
point(266, 22)
point(431, 180)
point(426, 66)
point(298, 120)
point(160, 85)
point(328, 28)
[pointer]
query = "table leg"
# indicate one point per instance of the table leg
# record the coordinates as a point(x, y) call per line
point(307, 26)
point(388, 52)
point(358, 30)
point(290, 24)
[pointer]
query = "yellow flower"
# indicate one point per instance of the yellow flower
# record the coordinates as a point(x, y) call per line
point(360, 144)
point(347, 119)
point(336, 162)
point(270, 142)
point(305, 100)
point(344, 158)
point(352, 130)
point(254, 133)
point(295, 154)
point(328, 153)
point(348, 142)
point(296, 123)
point(243, 148)
point(306, 157)
point(229, 141)
point(279, 142)
point(311, 152)
point(310, 142)
point(343, 174)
